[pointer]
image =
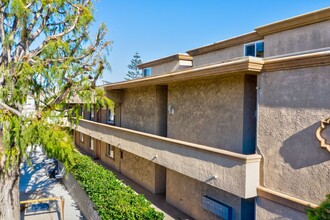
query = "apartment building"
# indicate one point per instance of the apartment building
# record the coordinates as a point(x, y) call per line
point(231, 130)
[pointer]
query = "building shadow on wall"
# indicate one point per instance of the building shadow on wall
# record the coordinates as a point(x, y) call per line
point(303, 149)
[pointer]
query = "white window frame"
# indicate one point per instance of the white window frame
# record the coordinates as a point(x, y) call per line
point(110, 151)
point(81, 135)
point(91, 146)
point(255, 47)
point(110, 113)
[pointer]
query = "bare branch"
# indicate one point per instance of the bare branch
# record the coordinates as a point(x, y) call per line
point(56, 36)
point(12, 110)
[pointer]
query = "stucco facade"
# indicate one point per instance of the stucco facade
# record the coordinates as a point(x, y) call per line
point(170, 67)
point(219, 56)
point(293, 102)
point(230, 137)
point(310, 37)
point(267, 209)
point(179, 188)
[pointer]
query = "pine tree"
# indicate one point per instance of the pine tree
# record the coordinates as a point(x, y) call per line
point(46, 55)
point(134, 72)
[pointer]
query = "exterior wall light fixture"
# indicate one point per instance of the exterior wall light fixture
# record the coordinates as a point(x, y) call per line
point(170, 110)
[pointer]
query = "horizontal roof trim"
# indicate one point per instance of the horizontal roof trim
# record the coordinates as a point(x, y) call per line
point(294, 22)
point(297, 62)
point(242, 39)
point(260, 32)
point(243, 65)
point(165, 60)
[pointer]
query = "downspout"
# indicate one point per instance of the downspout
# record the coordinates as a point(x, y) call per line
point(259, 151)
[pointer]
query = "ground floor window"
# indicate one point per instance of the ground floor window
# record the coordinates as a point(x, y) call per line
point(81, 137)
point(92, 144)
point(110, 151)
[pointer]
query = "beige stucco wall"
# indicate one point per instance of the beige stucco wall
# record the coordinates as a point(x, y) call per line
point(269, 210)
point(208, 112)
point(170, 67)
point(138, 169)
point(114, 163)
point(186, 194)
point(219, 55)
point(146, 173)
point(103, 115)
point(87, 114)
point(144, 109)
point(291, 105)
point(308, 37)
point(85, 145)
point(138, 109)
point(161, 111)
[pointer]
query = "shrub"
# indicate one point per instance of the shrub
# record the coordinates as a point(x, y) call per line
point(112, 198)
point(322, 212)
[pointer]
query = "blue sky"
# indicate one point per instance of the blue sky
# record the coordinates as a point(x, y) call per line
point(159, 28)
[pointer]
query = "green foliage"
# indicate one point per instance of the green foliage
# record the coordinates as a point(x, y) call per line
point(18, 7)
point(113, 199)
point(86, 17)
point(133, 70)
point(47, 55)
point(322, 212)
point(20, 133)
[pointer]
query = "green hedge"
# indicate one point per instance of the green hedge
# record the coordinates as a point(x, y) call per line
point(113, 199)
point(322, 212)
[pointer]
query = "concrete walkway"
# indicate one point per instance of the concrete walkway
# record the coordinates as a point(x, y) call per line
point(35, 184)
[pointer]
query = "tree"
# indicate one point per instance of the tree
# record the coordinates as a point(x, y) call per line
point(47, 55)
point(134, 72)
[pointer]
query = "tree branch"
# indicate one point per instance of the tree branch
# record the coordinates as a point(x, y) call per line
point(12, 110)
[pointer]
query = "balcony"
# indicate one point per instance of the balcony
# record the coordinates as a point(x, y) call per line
point(232, 172)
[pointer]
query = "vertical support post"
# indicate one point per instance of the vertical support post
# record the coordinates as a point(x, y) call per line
point(62, 202)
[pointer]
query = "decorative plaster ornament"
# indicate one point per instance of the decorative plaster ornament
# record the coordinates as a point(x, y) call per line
point(323, 141)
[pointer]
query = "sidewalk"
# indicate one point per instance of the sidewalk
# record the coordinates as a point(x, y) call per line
point(35, 184)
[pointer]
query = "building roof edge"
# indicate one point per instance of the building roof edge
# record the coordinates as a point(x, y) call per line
point(245, 38)
point(294, 22)
point(163, 60)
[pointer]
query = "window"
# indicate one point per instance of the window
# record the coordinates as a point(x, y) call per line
point(81, 137)
point(81, 111)
point(255, 49)
point(110, 151)
point(146, 72)
point(92, 112)
point(92, 144)
point(111, 117)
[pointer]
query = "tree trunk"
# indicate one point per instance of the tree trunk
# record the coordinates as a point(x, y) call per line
point(9, 194)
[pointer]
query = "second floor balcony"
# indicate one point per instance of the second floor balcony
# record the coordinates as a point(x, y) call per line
point(233, 172)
